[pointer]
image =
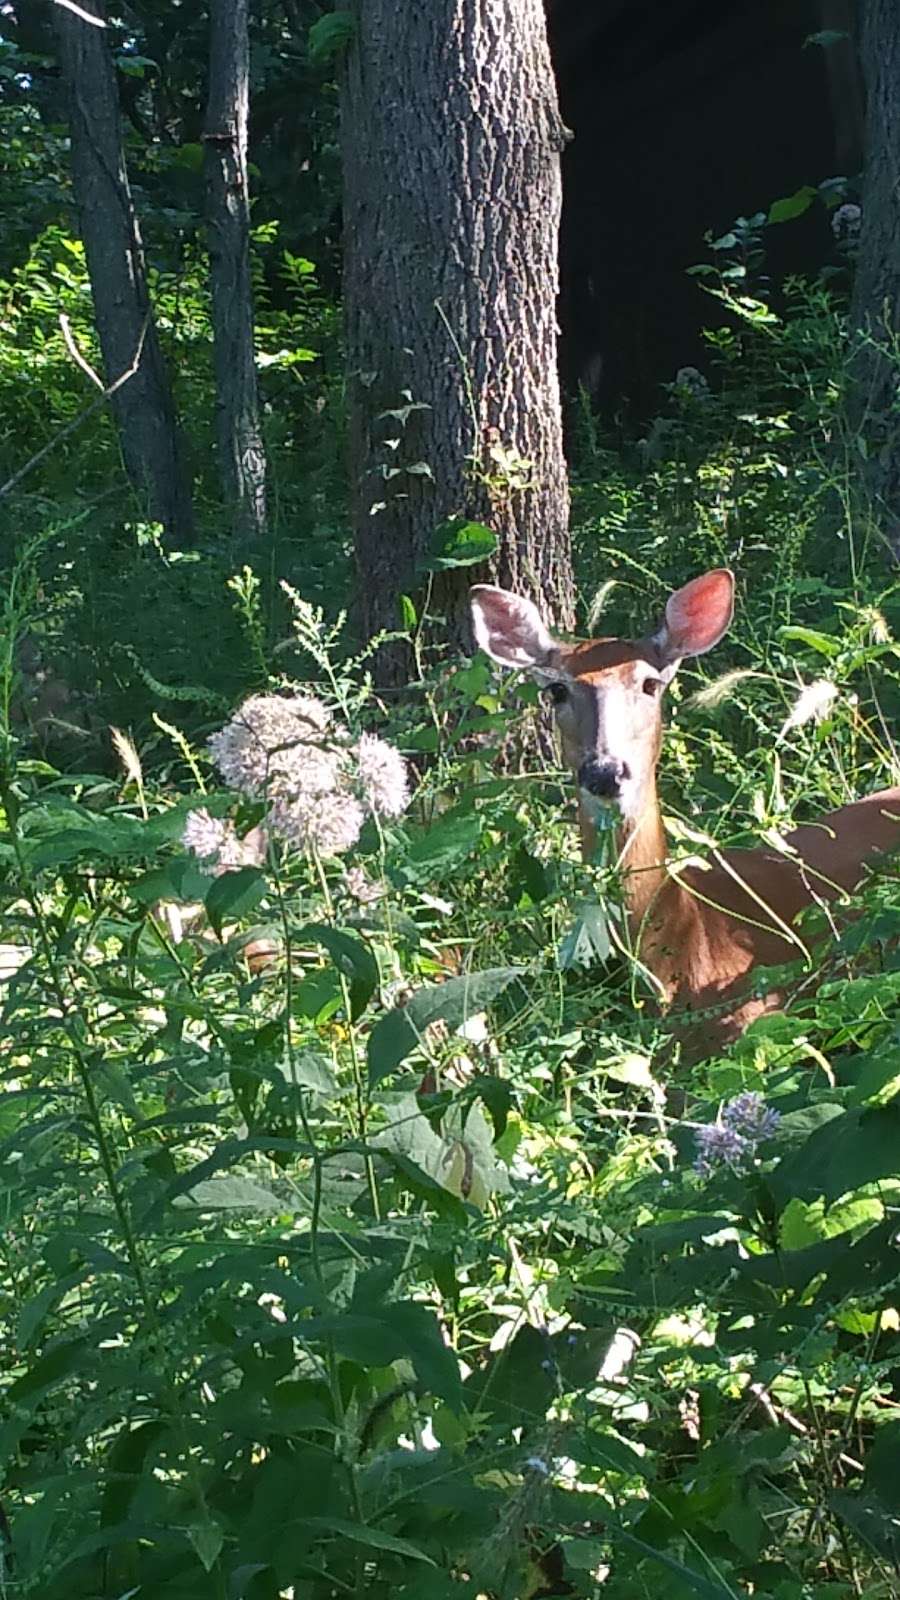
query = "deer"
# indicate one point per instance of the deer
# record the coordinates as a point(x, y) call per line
point(699, 928)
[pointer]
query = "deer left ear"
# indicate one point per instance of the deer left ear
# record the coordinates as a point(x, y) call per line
point(510, 629)
point(697, 616)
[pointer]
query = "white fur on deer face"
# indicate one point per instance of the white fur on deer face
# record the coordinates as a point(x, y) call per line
point(607, 693)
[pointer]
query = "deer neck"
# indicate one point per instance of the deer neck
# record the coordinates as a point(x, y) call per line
point(641, 856)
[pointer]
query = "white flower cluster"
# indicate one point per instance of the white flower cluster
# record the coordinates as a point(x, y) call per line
point(846, 222)
point(318, 786)
point(216, 844)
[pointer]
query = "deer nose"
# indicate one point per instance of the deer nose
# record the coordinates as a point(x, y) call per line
point(603, 779)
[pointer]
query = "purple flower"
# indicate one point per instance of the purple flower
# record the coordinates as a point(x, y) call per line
point(748, 1115)
point(718, 1145)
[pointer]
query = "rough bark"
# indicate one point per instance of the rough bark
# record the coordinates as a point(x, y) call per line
point(876, 297)
point(242, 461)
point(451, 140)
point(142, 407)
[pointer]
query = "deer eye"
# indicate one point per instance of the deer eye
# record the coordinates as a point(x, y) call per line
point(558, 693)
point(651, 686)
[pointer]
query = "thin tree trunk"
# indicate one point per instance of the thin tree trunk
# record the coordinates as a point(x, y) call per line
point(142, 407)
point(242, 460)
point(876, 296)
point(451, 145)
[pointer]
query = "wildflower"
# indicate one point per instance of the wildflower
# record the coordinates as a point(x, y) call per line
point(719, 1145)
point(812, 704)
point(203, 835)
point(323, 824)
point(846, 222)
point(217, 845)
point(275, 743)
point(361, 887)
point(744, 1124)
point(291, 751)
point(693, 381)
point(749, 1116)
point(381, 771)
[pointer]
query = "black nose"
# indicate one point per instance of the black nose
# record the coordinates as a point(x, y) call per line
point(603, 779)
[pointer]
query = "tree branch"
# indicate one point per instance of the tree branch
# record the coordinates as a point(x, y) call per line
point(83, 415)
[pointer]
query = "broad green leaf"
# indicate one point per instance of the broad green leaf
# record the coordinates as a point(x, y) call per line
point(231, 1194)
point(396, 1035)
point(588, 939)
point(35, 1311)
point(330, 36)
point(441, 850)
point(351, 957)
point(823, 643)
point(793, 205)
point(207, 1538)
point(233, 895)
point(459, 543)
point(851, 1150)
point(311, 1071)
point(361, 1533)
point(46, 1372)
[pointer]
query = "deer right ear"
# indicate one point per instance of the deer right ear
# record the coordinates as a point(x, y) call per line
point(509, 628)
point(697, 615)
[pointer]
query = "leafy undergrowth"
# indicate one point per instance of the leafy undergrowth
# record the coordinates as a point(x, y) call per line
point(355, 1239)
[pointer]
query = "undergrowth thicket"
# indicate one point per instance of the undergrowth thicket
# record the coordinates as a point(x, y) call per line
point(350, 1242)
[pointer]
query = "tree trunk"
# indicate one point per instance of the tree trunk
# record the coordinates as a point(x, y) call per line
point(451, 140)
point(876, 295)
point(242, 461)
point(142, 407)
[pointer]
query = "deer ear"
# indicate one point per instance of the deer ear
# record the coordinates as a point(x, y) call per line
point(509, 628)
point(697, 616)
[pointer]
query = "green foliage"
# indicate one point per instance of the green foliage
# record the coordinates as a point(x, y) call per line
point(352, 1235)
point(349, 1242)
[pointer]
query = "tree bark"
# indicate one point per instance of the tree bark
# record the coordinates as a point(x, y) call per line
point(451, 140)
point(142, 407)
point(242, 461)
point(876, 297)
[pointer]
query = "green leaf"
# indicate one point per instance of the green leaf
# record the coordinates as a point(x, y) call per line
point(588, 938)
point(360, 1533)
point(233, 895)
point(408, 617)
point(396, 1035)
point(822, 642)
point(353, 960)
point(312, 1072)
point(232, 1193)
point(46, 1372)
point(207, 1538)
point(793, 206)
point(189, 156)
point(851, 1150)
point(443, 847)
point(458, 543)
point(330, 36)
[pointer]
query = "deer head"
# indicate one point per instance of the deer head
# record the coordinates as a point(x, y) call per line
point(607, 693)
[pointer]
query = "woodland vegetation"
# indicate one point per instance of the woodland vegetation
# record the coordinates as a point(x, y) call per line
point(363, 1230)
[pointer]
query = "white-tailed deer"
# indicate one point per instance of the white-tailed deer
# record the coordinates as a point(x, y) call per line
point(700, 928)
